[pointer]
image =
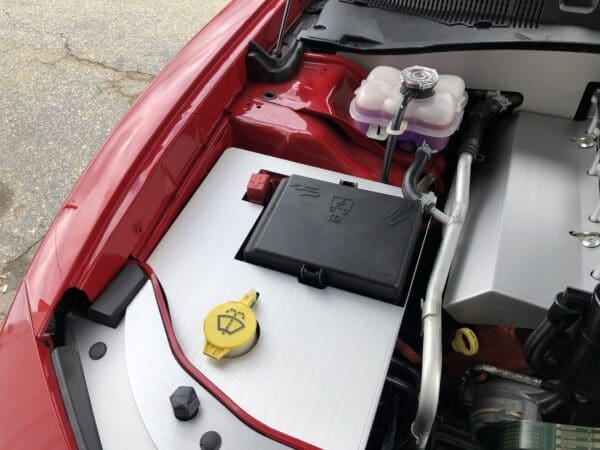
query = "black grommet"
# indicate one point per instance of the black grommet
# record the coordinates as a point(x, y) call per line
point(97, 350)
point(211, 440)
point(185, 403)
point(269, 95)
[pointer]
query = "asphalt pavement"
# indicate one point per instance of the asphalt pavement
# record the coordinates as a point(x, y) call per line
point(68, 71)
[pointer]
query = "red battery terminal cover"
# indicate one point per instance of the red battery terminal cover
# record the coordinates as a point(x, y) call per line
point(259, 188)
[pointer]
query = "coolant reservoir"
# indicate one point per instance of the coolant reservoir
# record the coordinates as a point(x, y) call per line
point(432, 120)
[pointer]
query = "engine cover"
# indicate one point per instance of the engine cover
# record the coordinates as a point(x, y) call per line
point(516, 251)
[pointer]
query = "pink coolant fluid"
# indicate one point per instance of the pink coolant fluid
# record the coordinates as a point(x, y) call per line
point(431, 120)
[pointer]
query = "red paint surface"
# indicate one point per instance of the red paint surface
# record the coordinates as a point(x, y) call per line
point(147, 169)
point(309, 122)
point(121, 205)
point(171, 134)
point(32, 415)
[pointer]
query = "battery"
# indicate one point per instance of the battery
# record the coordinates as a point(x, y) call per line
point(337, 235)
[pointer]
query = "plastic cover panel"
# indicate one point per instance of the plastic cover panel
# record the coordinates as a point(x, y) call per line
point(354, 28)
point(496, 13)
point(358, 240)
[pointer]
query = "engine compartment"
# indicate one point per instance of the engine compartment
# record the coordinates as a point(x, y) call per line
point(316, 350)
point(498, 348)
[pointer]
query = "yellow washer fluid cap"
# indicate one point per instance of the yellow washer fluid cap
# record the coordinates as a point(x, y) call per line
point(230, 328)
point(465, 341)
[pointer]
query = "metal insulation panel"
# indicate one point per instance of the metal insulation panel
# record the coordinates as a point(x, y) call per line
point(318, 368)
point(516, 252)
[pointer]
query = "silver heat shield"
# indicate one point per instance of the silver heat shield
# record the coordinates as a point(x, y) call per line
point(516, 251)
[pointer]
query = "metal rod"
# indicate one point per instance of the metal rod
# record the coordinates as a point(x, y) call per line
point(279, 44)
point(412, 280)
point(508, 375)
point(431, 371)
point(440, 216)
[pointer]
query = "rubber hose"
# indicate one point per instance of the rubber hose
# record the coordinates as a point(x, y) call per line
point(536, 347)
point(405, 387)
point(568, 307)
point(407, 369)
point(481, 115)
point(412, 175)
point(556, 404)
point(390, 145)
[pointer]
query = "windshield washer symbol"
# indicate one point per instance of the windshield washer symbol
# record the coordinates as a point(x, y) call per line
point(231, 322)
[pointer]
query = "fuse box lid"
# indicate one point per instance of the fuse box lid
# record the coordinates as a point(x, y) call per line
point(337, 235)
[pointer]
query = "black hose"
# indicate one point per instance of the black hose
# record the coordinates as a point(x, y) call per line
point(537, 347)
point(554, 405)
point(413, 174)
point(478, 119)
point(406, 368)
point(568, 307)
point(481, 115)
point(409, 391)
point(390, 437)
point(390, 145)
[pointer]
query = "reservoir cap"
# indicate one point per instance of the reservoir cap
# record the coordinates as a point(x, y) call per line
point(230, 328)
point(465, 342)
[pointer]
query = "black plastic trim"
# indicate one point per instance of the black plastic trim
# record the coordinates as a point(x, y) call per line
point(261, 66)
point(73, 389)
point(494, 13)
point(109, 308)
point(357, 29)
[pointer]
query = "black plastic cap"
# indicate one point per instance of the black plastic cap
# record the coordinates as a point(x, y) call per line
point(211, 440)
point(97, 350)
point(185, 403)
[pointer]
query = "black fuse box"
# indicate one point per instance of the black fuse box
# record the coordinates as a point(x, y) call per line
point(337, 235)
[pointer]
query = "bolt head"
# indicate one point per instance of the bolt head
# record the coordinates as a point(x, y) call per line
point(586, 141)
point(97, 350)
point(185, 403)
point(211, 440)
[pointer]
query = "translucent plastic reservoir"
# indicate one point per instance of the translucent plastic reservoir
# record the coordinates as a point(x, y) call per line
point(432, 120)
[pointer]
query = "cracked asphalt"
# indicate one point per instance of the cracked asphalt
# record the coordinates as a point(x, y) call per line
point(68, 71)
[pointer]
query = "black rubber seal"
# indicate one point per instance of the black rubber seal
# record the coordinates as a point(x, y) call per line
point(261, 66)
point(73, 388)
point(109, 308)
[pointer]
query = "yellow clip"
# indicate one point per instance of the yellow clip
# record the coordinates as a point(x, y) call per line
point(230, 328)
point(465, 342)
